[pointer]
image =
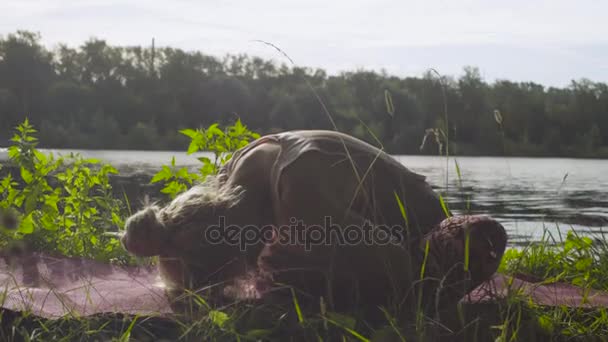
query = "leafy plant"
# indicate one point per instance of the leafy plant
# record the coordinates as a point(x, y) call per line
point(61, 204)
point(221, 143)
point(175, 180)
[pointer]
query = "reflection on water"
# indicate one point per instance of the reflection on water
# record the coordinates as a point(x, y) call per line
point(527, 195)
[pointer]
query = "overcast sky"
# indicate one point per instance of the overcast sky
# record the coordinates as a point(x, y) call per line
point(550, 42)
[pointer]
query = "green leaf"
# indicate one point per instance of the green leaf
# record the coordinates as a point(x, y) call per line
point(48, 222)
point(208, 169)
point(164, 174)
point(242, 143)
point(27, 225)
point(26, 175)
point(193, 147)
point(583, 264)
point(184, 175)
point(109, 169)
point(579, 281)
point(50, 203)
point(173, 189)
point(219, 318)
point(116, 219)
point(13, 152)
point(587, 242)
point(226, 157)
point(238, 127)
point(41, 156)
point(213, 130)
point(8, 180)
point(204, 160)
point(16, 197)
point(68, 222)
point(157, 177)
point(189, 133)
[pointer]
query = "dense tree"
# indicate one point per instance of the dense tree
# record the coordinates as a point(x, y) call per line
point(103, 96)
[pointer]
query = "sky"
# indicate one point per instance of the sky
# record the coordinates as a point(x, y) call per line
point(548, 42)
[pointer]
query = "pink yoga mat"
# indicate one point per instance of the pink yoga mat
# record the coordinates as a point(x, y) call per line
point(54, 287)
point(79, 287)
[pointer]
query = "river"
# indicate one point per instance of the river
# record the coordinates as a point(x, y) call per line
point(529, 196)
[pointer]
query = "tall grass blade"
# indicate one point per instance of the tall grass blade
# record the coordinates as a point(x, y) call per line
point(349, 330)
point(444, 206)
point(402, 209)
point(388, 99)
point(296, 306)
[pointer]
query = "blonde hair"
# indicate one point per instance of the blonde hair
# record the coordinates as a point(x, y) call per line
point(201, 203)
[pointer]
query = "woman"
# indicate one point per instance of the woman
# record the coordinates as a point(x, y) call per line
point(320, 211)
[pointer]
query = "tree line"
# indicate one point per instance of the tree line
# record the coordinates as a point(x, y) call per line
point(112, 97)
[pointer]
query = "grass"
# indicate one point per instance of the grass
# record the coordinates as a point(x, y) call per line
point(577, 260)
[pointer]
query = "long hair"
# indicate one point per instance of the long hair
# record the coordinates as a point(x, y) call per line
point(201, 203)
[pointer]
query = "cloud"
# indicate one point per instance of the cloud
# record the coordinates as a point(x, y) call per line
point(569, 36)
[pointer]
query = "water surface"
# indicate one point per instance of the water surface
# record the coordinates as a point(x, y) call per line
point(529, 196)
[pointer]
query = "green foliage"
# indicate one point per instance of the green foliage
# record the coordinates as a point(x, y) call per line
point(219, 142)
point(222, 143)
point(579, 260)
point(175, 180)
point(61, 204)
